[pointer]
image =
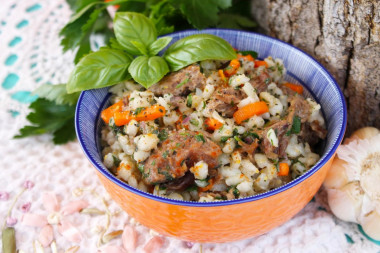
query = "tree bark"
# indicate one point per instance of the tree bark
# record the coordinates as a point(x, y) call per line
point(344, 36)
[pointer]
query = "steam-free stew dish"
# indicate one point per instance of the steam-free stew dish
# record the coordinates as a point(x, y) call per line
point(216, 130)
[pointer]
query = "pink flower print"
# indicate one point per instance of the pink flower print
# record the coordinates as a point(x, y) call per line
point(28, 184)
point(25, 207)
point(4, 196)
point(11, 221)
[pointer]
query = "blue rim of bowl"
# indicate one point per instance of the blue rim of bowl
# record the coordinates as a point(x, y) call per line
point(270, 193)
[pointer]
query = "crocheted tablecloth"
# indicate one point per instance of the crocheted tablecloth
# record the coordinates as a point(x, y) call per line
point(54, 180)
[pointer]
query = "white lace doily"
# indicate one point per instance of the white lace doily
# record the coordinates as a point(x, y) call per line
point(30, 54)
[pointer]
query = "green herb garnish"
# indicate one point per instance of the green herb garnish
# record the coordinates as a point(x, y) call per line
point(142, 170)
point(224, 138)
point(138, 110)
point(183, 82)
point(191, 188)
point(165, 154)
point(199, 137)
point(162, 135)
point(189, 101)
point(116, 161)
point(252, 53)
point(194, 122)
point(296, 126)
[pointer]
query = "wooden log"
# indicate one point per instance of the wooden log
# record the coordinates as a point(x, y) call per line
point(342, 35)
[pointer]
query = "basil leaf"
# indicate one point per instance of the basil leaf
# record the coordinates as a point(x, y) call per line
point(130, 26)
point(141, 47)
point(114, 44)
point(158, 45)
point(148, 70)
point(198, 47)
point(9, 240)
point(99, 69)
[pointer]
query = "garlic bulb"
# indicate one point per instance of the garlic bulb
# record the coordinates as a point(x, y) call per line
point(353, 182)
point(362, 133)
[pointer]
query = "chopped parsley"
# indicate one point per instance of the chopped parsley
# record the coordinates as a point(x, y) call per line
point(189, 101)
point(167, 175)
point(165, 154)
point(236, 193)
point(115, 129)
point(153, 163)
point(250, 134)
point(280, 68)
point(116, 161)
point(182, 83)
point(194, 122)
point(247, 52)
point(141, 169)
point(191, 188)
point(185, 134)
point(138, 110)
point(267, 81)
point(177, 145)
point(296, 126)
point(162, 135)
point(237, 138)
point(224, 138)
point(199, 137)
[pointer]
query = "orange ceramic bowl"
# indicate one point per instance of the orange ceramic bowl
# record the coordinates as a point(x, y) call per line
point(225, 221)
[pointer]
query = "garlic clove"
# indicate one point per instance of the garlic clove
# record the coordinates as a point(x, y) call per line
point(371, 225)
point(336, 177)
point(370, 175)
point(346, 203)
point(363, 133)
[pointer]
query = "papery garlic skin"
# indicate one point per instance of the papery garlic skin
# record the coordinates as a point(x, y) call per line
point(353, 181)
point(346, 203)
point(336, 177)
point(370, 224)
point(363, 133)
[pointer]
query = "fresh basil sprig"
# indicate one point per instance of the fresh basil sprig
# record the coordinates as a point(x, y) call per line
point(135, 55)
point(99, 69)
point(148, 70)
point(134, 31)
point(198, 47)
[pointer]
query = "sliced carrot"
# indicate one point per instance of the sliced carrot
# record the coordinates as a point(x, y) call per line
point(213, 124)
point(261, 63)
point(150, 113)
point(283, 169)
point(250, 110)
point(232, 68)
point(247, 57)
point(208, 187)
point(108, 113)
point(222, 76)
point(297, 88)
point(122, 118)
